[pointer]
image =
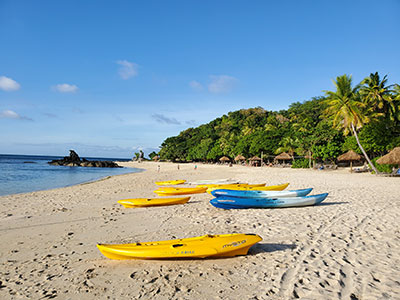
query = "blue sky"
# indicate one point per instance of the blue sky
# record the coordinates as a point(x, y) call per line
point(109, 77)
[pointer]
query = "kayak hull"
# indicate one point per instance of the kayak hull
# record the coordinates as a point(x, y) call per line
point(279, 187)
point(170, 191)
point(145, 202)
point(226, 245)
point(231, 185)
point(214, 181)
point(243, 203)
point(260, 194)
point(170, 182)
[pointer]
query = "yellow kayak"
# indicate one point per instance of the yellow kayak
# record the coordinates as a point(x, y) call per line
point(230, 186)
point(143, 202)
point(170, 191)
point(279, 187)
point(222, 186)
point(170, 182)
point(226, 245)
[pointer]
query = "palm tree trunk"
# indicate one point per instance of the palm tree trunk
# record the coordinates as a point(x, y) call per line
point(362, 149)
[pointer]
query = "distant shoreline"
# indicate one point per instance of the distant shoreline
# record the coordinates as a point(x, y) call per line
point(19, 177)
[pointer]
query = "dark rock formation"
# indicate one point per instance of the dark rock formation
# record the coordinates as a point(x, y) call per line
point(73, 160)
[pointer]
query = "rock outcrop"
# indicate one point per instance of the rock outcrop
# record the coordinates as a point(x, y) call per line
point(73, 160)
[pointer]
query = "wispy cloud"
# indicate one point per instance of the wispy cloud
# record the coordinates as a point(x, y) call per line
point(77, 110)
point(51, 115)
point(191, 122)
point(195, 85)
point(8, 84)
point(127, 69)
point(65, 88)
point(221, 83)
point(9, 114)
point(165, 120)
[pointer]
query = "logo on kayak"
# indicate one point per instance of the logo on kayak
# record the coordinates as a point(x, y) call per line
point(184, 252)
point(234, 244)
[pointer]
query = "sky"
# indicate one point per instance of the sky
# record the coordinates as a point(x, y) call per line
point(107, 78)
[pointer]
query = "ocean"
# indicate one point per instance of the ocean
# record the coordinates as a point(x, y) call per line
point(28, 173)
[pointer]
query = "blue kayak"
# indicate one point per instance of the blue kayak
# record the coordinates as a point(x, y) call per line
point(226, 202)
point(260, 194)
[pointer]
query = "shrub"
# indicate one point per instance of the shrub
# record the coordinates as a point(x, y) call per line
point(382, 168)
point(300, 163)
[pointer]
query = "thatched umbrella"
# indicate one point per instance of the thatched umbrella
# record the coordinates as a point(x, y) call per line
point(156, 158)
point(283, 156)
point(240, 158)
point(350, 156)
point(255, 161)
point(392, 158)
point(255, 158)
point(224, 159)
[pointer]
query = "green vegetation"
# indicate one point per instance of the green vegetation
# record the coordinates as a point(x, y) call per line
point(300, 163)
point(382, 168)
point(364, 118)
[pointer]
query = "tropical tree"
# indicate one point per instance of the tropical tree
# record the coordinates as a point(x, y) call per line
point(396, 103)
point(287, 144)
point(378, 96)
point(152, 154)
point(347, 109)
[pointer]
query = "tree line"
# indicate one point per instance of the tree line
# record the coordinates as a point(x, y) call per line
point(364, 117)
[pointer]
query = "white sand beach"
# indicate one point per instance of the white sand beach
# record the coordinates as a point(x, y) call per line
point(346, 248)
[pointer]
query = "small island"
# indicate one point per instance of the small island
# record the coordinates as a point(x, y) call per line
point(73, 160)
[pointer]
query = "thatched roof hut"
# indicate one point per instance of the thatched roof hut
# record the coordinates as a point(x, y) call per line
point(224, 159)
point(240, 158)
point(349, 156)
point(283, 156)
point(392, 158)
point(255, 161)
point(255, 158)
point(156, 158)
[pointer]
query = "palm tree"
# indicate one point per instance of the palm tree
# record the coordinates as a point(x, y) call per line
point(287, 144)
point(347, 109)
point(395, 108)
point(378, 96)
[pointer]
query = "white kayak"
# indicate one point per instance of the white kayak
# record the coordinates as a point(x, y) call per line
point(215, 181)
point(260, 194)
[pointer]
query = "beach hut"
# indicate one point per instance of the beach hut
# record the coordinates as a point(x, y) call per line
point(224, 159)
point(283, 156)
point(350, 156)
point(240, 158)
point(255, 161)
point(155, 158)
point(392, 158)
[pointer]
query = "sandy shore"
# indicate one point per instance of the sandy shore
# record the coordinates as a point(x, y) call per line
point(347, 248)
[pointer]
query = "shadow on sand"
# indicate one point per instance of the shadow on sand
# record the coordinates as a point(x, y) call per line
point(332, 203)
point(264, 247)
point(194, 201)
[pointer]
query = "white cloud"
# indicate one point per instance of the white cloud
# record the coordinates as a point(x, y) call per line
point(9, 114)
point(221, 83)
point(8, 84)
point(65, 88)
point(127, 69)
point(197, 86)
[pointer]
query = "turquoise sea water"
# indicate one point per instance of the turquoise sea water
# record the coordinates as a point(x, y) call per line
point(28, 173)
